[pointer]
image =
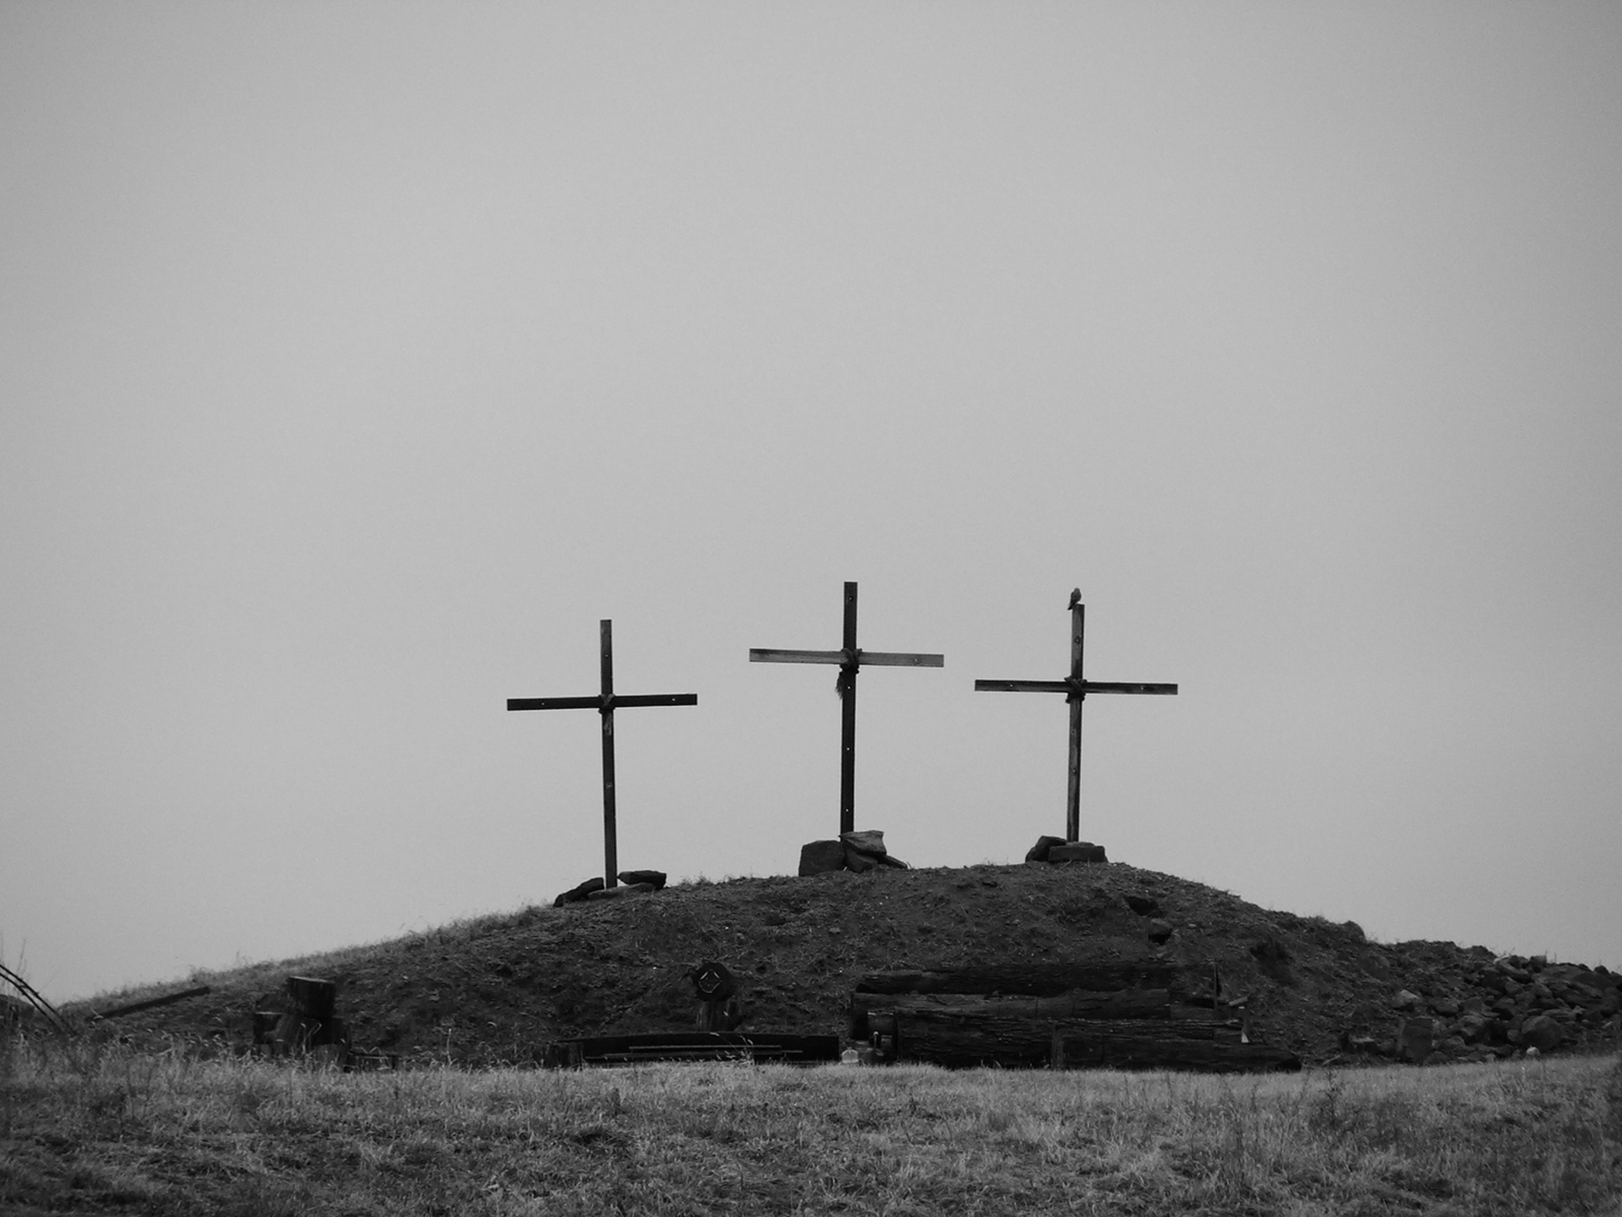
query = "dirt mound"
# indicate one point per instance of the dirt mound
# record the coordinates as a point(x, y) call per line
point(498, 989)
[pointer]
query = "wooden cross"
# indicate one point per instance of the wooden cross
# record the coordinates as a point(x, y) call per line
point(605, 703)
point(1075, 688)
point(850, 659)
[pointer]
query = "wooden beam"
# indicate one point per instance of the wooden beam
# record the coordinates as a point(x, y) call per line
point(774, 655)
point(899, 659)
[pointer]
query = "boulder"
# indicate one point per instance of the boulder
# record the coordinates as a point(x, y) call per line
point(859, 862)
point(1039, 851)
point(865, 841)
point(1416, 1037)
point(820, 857)
point(1543, 1033)
point(655, 877)
point(1160, 931)
point(578, 892)
point(1474, 1028)
point(865, 851)
point(1077, 851)
point(1405, 999)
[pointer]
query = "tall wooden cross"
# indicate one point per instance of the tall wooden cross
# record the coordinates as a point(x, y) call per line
point(850, 659)
point(605, 703)
point(1075, 689)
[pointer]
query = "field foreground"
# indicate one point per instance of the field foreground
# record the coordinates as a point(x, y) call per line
point(93, 1128)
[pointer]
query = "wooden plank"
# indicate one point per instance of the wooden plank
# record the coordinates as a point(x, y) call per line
point(961, 1040)
point(1116, 686)
point(554, 703)
point(777, 655)
point(868, 1009)
point(1189, 986)
point(623, 700)
point(1022, 686)
point(899, 659)
point(693, 1046)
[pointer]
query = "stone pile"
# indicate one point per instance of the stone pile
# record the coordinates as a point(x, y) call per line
point(1057, 849)
point(860, 851)
point(1510, 1004)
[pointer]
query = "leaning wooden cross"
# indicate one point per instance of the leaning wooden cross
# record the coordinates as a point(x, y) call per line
point(1075, 688)
point(605, 703)
point(850, 659)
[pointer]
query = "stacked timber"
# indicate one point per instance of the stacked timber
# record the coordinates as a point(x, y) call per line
point(1145, 1014)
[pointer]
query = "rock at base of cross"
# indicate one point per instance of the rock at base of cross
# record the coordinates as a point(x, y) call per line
point(655, 877)
point(865, 851)
point(861, 852)
point(1039, 851)
point(578, 892)
point(820, 857)
point(1077, 851)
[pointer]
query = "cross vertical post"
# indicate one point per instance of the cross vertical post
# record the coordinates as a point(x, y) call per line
point(1075, 688)
point(611, 868)
point(847, 717)
point(1078, 634)
point(605, 703)
point(850, 659)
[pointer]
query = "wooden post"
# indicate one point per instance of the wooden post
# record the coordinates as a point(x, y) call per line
point(611, 868)
point(1075, 689)
point(847, 717)
point(605, 703)
point(850, 660)
point(1078, 633)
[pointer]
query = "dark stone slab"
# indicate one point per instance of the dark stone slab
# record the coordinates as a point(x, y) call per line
point(1039, 851)
point(655, 877)
point(820, 857)
point(578, 892)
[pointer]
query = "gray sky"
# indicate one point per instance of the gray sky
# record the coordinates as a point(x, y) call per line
point(356, 359)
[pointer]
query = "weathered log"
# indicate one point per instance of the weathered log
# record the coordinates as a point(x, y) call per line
point(1189, 986)
point(1087, 1047)
point(150, 1003)
point(1080, 1004)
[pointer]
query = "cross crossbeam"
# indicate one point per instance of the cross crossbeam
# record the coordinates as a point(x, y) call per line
point(1075, 688)
point(850, 659)
point(605, 703)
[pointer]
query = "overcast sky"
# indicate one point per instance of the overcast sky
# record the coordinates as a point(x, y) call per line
point(357, 359)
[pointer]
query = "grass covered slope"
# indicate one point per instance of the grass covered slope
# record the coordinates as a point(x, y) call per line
point(104, 1129)
point(497, 989)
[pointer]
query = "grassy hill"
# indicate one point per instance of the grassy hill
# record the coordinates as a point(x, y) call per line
point(499, 988)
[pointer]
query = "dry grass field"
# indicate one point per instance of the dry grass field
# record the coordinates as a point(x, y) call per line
point(103, 1128)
